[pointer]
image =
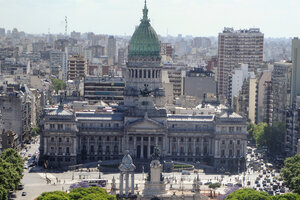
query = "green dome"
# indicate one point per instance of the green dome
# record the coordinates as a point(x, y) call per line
point(144, 41)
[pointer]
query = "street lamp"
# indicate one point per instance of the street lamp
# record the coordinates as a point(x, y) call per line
point(99, 164)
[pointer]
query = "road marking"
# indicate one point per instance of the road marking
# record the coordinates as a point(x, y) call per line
point(50, 176)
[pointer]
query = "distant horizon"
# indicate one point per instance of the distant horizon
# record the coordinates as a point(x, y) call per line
point(197, 18)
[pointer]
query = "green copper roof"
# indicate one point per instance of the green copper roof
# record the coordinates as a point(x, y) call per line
point(144, 41)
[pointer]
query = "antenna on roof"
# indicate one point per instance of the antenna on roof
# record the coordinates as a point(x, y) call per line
point(66, 25)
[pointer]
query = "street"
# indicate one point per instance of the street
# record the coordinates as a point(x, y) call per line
point(35, 179)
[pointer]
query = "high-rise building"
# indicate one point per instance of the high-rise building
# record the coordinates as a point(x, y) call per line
point(296, 69)
point(77, 67)
point(121, 56)
point(281, 88)
point(237, 46)
point(111, 48)
point(2, 32)
point(262, 96)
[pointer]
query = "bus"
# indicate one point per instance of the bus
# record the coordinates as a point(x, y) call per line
point(96, 182)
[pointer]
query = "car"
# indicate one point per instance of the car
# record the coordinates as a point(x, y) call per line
point(24, 194)
point(260, 189)
point(29, 155)
point(277, 193)
point(258, 185)
point(229, 184)
point(256, 182)
point(260, 175)
point(264, 184)
point(20, 187)
point(270, 192)
point(238, 185)
point(184, 172)
point(275, 187)
point(282, 190)
point(248, 183)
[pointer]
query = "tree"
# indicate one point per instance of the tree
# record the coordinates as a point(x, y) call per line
point(289, 196)
point(3, 193)
point(11, 169)
point(258, 134)
point(214, 185)
point(58, 84)
point(91, 193)
point(35, 131)
point(57, 195)
point(250, 129)
point(248, 194)
point(274, 137)
point(291, 173)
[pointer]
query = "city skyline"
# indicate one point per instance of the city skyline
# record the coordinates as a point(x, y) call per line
point(119, 17)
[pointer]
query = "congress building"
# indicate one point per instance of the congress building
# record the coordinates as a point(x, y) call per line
point(211, 134)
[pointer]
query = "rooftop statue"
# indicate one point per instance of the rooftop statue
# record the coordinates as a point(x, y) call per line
point(145, 92)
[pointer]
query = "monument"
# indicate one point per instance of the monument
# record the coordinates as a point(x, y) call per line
point(155, 185)
point(126, 168)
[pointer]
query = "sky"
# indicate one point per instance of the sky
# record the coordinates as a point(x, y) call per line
point(275, 18)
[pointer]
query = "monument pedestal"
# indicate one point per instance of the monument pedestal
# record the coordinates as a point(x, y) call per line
point(154, 189)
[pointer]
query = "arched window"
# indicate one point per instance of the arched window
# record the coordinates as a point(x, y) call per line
point(153, 73)
point(149, 73)
point(140, 73)
point(136, 75)
point(145, 73)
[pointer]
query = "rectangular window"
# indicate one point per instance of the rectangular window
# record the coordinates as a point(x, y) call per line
point(68, 126)
point(231, 129)
point(52, 126)
point(59, 126)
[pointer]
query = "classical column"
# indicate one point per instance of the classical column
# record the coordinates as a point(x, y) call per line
point(164, 150)
point(96, 146)
point(120, 146)
point(134, 146)
point(142, 147)
point(126, 184)
point(156, 141)
point(74, 146)
point(178, 149)
point(149, 145)
point(103, 146)
point(194, 146)
point(202, 146)
point(45, 146)
point(123, 144)
point(132, 183)
point(186, 146)
point(216, 148)
point(88, 146)
point(121, 184)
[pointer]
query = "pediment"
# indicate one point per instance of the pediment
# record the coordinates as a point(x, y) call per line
point(147, 124)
